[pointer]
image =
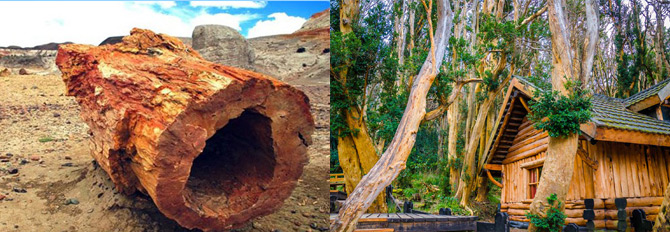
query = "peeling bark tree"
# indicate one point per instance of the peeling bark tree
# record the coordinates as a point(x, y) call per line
point(357, 155)
point(356, 151)
point(214, 146)
point(559, 163)
point(454, 117)
point(394, 158)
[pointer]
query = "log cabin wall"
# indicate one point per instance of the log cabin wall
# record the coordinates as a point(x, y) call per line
point(603, 171)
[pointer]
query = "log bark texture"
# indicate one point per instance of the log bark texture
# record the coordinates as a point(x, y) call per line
point(214, 146)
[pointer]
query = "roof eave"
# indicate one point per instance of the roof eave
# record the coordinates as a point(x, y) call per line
point(645, 103)
point(602, 133)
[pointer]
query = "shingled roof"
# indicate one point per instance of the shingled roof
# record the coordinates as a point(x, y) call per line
point(644, 94)
point(613, 112)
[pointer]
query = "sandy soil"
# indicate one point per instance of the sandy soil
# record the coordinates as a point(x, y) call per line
point(44, 141)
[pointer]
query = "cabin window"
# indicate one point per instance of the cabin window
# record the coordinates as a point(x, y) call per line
point(533, 180)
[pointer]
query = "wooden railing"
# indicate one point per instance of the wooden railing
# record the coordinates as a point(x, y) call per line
point(336, 179)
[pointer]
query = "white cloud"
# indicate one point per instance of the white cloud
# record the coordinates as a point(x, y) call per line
point(280, 23)
point(232, 21)
point(162, 4)
point(230, 4)
point(33, 23)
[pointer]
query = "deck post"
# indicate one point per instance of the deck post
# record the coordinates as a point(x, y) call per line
point(589, 214)
point(445, 211)
point(639, 221)
point(572, 227)
point(621, 214)
point(502, 222)
point(408, 206)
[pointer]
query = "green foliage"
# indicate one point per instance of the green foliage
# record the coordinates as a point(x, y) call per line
point(46, 139)
point(493, 196)
point(635, 58)
point(334, 158)
point(555, 218)
point(423, 158)
point(423, 191)
point(355, 59)
point(559, 115)
point(451, 203)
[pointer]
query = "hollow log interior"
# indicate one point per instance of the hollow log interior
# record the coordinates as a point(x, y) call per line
point(236, 164)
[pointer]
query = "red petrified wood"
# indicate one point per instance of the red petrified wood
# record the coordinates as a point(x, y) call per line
point(214, 146)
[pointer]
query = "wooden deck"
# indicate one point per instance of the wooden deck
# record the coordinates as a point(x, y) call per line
point(415, 222)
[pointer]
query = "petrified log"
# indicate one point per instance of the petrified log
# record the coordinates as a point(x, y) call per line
point(214, 146)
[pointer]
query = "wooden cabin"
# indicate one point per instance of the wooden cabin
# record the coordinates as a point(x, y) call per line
point(624, 152)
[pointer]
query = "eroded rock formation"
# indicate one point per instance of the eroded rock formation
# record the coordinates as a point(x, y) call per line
point(214, 146)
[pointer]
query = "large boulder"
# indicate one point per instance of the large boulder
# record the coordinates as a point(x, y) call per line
point(223, 45)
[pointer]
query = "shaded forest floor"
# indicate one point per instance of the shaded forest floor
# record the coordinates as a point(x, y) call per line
point(49, 182)
point(426, 194)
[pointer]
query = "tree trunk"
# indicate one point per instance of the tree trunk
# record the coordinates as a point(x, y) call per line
point(454, 124)
point(663, 218)
point(590, 41)
point(559, 162)
point(348, 14)
point(357, 156)
point(356, 152)
point(482, 189)
point(214, 146)
point(442, 127)
point(470, 167)
point(394, 158)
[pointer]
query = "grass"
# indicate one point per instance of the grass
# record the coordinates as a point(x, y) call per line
point(46, 139)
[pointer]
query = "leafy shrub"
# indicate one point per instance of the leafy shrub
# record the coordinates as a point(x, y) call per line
point(555, 217)
point(559, 115)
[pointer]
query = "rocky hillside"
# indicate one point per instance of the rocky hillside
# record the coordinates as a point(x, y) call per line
point(49, 46)
point(317, 21)
point(36, 61)
point(301, 59)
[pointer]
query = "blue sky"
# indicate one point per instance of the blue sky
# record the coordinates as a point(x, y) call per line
point(302, 9)
point(91, 22)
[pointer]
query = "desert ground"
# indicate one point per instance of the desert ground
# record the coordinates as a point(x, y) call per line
point(50, 182)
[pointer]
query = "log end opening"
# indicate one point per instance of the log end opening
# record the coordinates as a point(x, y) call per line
point(235, 167)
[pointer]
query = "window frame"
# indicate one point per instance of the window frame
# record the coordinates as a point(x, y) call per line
point(538, 173)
